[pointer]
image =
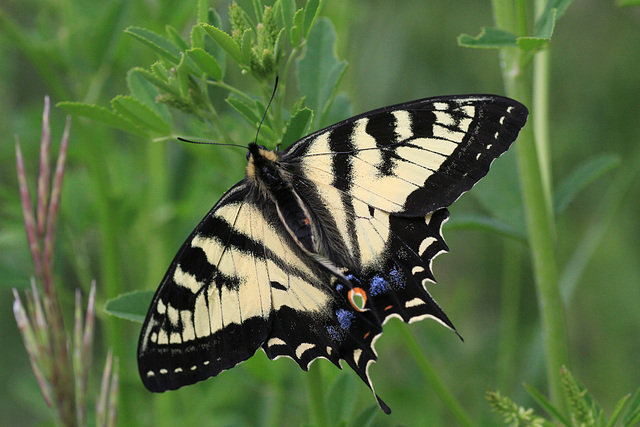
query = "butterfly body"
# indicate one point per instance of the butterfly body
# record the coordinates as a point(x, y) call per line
point(320, 244)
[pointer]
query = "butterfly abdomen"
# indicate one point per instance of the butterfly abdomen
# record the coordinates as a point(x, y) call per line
point(274, 184)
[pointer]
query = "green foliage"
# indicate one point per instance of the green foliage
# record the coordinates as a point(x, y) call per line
point(319, 72)
point(185, 70)
point(583, 411)
point(497, 38)
point(128, 205)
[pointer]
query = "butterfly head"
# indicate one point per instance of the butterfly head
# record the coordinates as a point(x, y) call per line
point(263, 166)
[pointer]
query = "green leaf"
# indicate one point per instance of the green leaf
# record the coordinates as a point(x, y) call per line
point(319, 70)
point(161, 72)
point(146, 92)
point(297, 127)
point(162, 46)
point(138, 113)
point(288, 11)
point(131, 306)
point(204, 11)
point(617, 411)
point(546, 23)
point(484, 223)
point(554, 9)
point(247, 40)
point(632, 414)
point(623, 3)
point(296, 29)
point(489, 38)
point(225, 41)
point(246, 110)
point(532, 43)
point(176, 38)
point(547, 405)
point(102, 115)
point(157, 81)
point(311, 11)
point(210, 46)
point(583, 175)
point(197, 37)
point(182, 73)
point(266, 133)
point(206, 63)
point(340, 109)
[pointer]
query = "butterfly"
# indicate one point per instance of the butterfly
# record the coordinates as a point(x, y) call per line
point(320, 244)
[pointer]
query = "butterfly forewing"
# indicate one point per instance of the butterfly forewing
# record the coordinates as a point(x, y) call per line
point(318, 274)
point(412, 158)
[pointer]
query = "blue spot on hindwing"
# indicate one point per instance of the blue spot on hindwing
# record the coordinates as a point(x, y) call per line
point(378, 285)
point(345, 318)
point(334, 333)
point(397, 277)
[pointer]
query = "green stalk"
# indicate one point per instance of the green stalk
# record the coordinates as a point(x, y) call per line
point(509, 346)
point(317, 409)
point(449, 400)
point(540, 122)
point(511, 16)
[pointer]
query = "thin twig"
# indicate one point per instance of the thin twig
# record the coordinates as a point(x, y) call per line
point(113, 395)
point(27, 211)
point(30, 344)
point(103, 399)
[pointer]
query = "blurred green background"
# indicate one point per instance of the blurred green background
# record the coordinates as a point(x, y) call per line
point(121, 221)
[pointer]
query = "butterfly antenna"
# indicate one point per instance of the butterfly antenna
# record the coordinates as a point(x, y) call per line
point(275, 86)
point(190, 141)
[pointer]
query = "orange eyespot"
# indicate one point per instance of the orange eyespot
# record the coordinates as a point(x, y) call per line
point(387, 308)
point(306, 221)
point(358, 299)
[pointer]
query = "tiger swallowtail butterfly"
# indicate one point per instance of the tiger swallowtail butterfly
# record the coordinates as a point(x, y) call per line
point(320, 244)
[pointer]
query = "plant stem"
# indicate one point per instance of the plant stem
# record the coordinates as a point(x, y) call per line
point(510, 16)
point(509, 346)
point(437, 384)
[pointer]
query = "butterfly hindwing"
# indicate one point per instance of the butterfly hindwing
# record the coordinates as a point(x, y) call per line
point(321, 244)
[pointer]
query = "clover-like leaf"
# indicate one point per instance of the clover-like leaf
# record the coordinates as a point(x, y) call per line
point(146, 92)
point(131, 306)
point(225, 41)
point(102, 115)
point(245, 109)
point(162, 46)
point(320, 71)
point(206, 62)
point(489, 38)
point(297, 126)
point(139, 114)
